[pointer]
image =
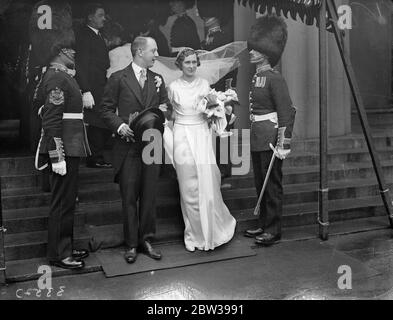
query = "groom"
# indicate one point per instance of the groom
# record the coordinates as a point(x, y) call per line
point(130, 91)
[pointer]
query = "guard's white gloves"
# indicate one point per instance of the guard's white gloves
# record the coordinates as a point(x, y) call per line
point(280, 153)
point(60, 168)
point(88, 100)
point(40, 111)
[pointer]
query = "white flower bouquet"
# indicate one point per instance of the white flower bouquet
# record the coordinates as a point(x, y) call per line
point(218, 104)
point(158, 82)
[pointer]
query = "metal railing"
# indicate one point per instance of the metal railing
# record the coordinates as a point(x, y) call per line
point(2, 250)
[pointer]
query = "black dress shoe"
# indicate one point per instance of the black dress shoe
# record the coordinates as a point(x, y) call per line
point(267, 239)
point(130, 255)
point(68, 263)
point(80, 254)
point(149, 251)
point(252, 233)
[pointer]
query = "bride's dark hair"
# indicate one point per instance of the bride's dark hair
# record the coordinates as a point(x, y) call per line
point(183, 55)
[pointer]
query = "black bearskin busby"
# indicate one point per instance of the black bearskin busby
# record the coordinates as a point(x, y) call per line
point(269, 36)
point(47, 43)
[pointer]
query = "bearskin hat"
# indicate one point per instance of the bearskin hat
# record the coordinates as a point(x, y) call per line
point(269, 36)
point(47, 43)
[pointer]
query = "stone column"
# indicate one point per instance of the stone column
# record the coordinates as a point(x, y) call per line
point(300, 69)
point(244, 18)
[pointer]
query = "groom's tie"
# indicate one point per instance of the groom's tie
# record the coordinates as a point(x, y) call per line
point(142, 78)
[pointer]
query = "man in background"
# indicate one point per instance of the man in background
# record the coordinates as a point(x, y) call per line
point(184, 31)
point(92, 62)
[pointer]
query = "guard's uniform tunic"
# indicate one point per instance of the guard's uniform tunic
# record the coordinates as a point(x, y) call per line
point(63, 138)
point(272, 118)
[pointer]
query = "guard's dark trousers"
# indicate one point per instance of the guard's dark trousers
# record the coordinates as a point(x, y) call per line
point(271, 205)
point(62, 208)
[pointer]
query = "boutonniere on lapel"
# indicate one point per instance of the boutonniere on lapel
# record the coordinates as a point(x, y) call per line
point(158, 82)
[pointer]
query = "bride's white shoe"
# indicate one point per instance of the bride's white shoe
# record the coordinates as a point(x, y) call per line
point(190, 249)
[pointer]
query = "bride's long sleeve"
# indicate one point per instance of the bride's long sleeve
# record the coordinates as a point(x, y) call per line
point(168, 133)
point(201, 103)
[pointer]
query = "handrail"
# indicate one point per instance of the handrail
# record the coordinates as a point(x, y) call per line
point(2, 249)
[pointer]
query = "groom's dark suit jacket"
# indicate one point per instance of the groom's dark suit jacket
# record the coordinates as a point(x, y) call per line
point(124, 93)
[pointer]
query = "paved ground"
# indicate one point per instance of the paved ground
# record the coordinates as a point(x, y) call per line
point(290, 270)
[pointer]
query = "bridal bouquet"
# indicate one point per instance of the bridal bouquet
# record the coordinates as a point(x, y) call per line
point(219, 104)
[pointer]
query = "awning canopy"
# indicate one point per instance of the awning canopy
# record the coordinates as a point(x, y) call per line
point(306, 10)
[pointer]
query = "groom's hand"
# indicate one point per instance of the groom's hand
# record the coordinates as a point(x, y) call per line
point(163, 107)
point(126, 133)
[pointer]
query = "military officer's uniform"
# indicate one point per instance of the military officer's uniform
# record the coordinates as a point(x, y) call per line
point(272, 118)
point(63, 138)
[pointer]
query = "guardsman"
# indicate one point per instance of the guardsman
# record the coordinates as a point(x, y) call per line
point(63, 137)
point(272, 116)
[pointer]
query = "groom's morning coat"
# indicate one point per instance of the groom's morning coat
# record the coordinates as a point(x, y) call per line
point(123, 93)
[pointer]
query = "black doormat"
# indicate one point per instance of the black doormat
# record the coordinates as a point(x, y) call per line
point(173, 256)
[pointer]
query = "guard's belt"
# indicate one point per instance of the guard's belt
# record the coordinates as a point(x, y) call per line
point(269, 116)
point(74, 116)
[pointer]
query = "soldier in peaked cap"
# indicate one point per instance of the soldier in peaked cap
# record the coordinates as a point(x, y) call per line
point(272, 118)
point(63, 139)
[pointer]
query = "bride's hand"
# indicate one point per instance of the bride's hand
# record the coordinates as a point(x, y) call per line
point(211, 99)
point(163, 107)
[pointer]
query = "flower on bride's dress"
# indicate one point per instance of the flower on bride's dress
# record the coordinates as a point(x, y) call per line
point(158, 82)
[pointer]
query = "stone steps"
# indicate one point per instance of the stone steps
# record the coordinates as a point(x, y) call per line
point(100, 213)
point(9, 129)
point(34, 197)
point(29, 245)
point(26, 269)
point(353, 194)
point(354, 143)
point(377, 118)
point(90, 176)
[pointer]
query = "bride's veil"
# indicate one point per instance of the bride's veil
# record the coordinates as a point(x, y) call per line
point(215, 64)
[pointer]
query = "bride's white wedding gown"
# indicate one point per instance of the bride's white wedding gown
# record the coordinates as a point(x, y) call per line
point(208, 222)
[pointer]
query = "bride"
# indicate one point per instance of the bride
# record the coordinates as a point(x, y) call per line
point(208, 222)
